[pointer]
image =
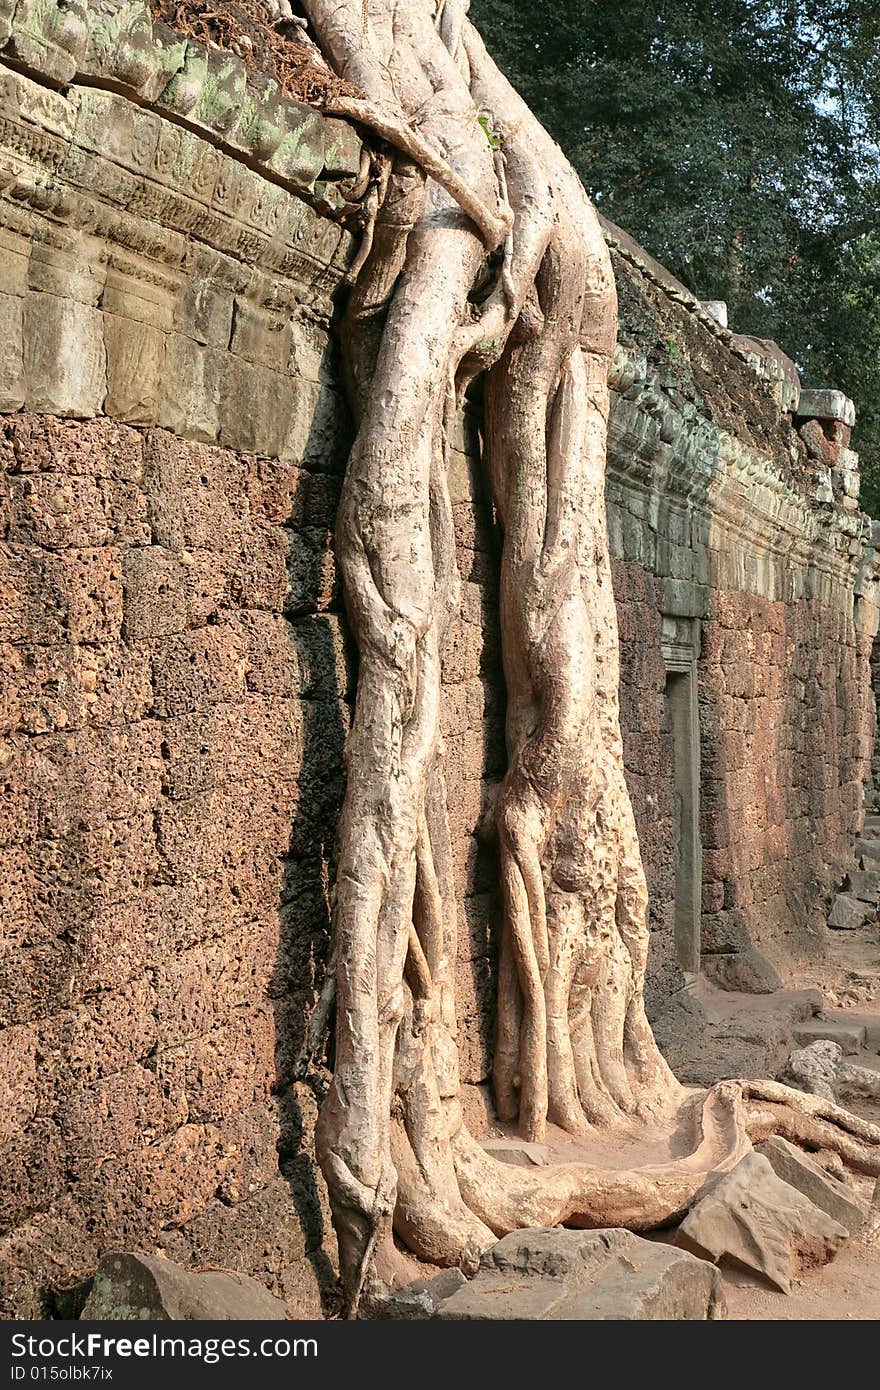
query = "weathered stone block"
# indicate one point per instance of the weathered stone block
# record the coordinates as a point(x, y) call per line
point(135, 367)
point(260, 335)
point(799, 1170)
point(12, 381)
point(814, 1069)
point(849, 913)
point(155, 596)
point(826, 405)
point(193, 387)
point(204, 312)
point(864, 884)
point(64, 358)
point(745, 971)
point(760, 1223)
point(611, 1275)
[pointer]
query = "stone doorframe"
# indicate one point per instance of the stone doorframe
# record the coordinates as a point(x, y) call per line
point(681, 650)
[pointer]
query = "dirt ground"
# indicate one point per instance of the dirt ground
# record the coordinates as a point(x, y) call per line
point(846, 1289)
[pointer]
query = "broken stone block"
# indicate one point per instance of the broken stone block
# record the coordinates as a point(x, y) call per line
point(762, 1224)
point(558, 1275)
point(850, 1037)
point(133, 1287)
point(814, 1069)
point(796, 1168)
point(421, 1299)
point(864, 884)
point(848, 913)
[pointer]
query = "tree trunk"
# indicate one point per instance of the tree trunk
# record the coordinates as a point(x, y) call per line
point(574, 1047)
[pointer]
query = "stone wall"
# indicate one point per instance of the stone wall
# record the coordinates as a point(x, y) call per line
point(742, 563)
point(176, 678)
point(175, 689)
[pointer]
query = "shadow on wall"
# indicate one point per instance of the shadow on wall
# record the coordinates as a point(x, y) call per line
point(323, 658)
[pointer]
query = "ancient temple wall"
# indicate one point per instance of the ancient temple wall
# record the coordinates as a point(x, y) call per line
point(175, 693)
point(743, 568)
point(176, 677)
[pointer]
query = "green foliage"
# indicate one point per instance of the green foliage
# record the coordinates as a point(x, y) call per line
point(491, 135)
point(735, 139)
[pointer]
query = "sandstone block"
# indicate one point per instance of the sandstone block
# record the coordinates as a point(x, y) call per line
point(12, 381)
point(255, 405)
point(193, 386)
point(136, 1287)
point(826, 405)
point(64, 358)
point(135, 366)
point(421, 1299)
point(795, 1167)
point(518, 1152)
point(610, 1275)
point(762, 1224)
point(204, 313)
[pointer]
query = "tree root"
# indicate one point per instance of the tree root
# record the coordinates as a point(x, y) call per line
point(574, 1046)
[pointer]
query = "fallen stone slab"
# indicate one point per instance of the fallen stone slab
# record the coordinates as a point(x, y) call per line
point(850, 1037)
point(796, 1168)
point(849, 913)
point(814, 1069)
point(864, 884)
point(761, 1224)
point(131, 1287)
point(611, 1275)
point(518, 1152)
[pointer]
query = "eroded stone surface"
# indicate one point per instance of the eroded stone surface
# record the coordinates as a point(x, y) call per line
point(799, 1170)
point(611, 1275)
point(135, 1287)
point(814, 1068)
point(760, 1223)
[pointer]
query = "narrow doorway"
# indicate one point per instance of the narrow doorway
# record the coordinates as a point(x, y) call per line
point(681, 698)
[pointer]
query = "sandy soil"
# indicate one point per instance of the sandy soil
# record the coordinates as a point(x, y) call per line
point(848, 1288)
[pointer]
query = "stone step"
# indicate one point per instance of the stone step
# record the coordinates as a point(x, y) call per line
point(849, 913)
point(852, 1018)
point(868, 852)
point(849, 1036)
point(872, 822)
point(863, 884)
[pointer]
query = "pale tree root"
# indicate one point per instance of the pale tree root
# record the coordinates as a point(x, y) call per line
point(426, 315)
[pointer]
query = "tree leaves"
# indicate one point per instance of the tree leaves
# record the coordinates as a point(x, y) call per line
point(737, 140)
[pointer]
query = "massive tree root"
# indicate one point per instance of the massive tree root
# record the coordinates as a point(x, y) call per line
point(483, 255)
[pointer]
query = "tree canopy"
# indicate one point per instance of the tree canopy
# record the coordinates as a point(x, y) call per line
point(737, 141)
